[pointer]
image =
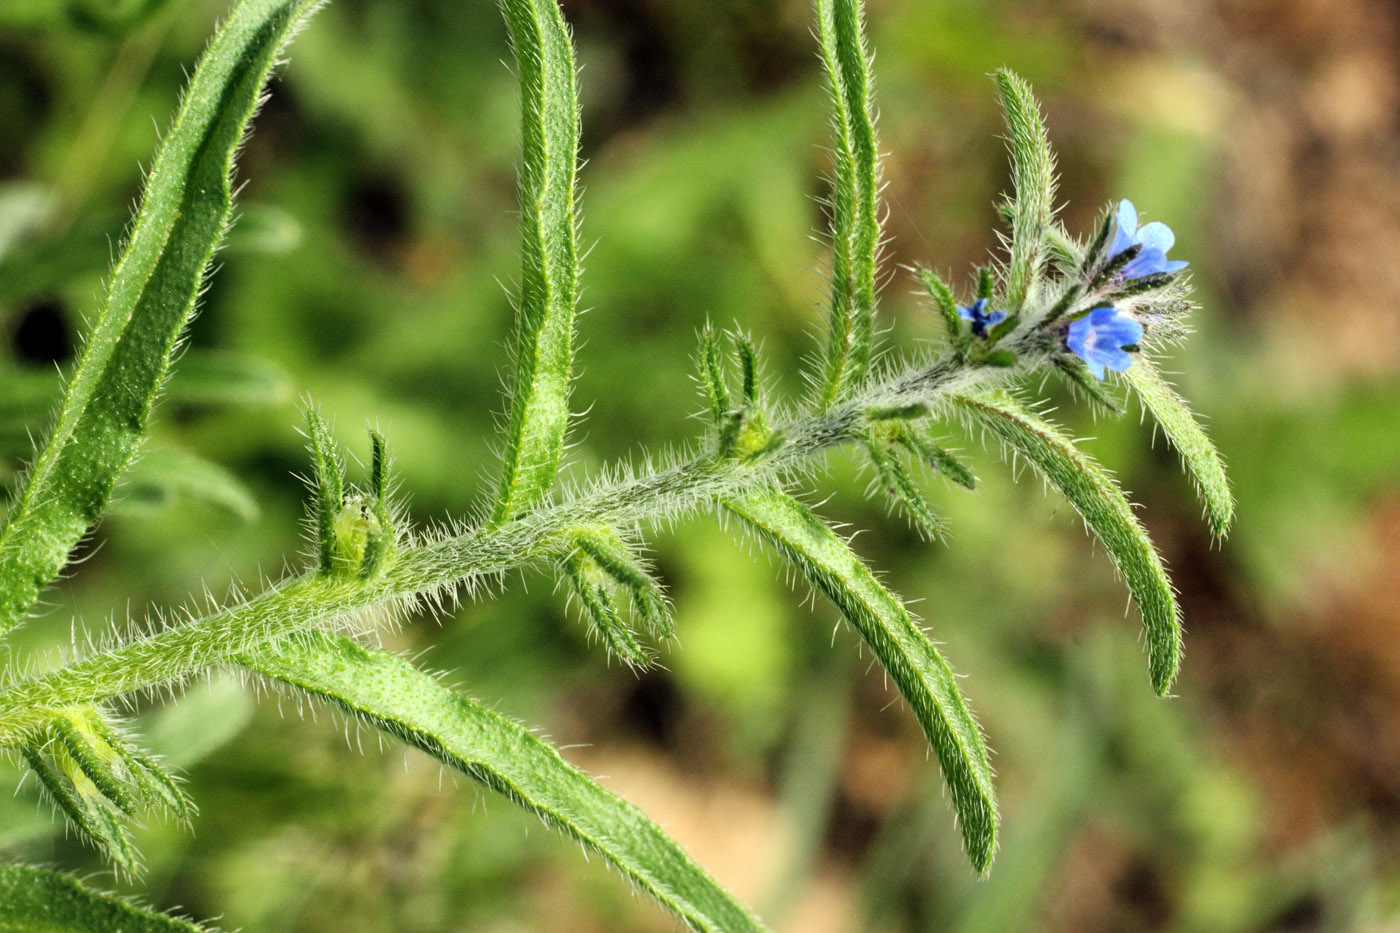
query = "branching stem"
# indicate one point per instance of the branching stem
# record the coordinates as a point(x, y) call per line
point(303, 602)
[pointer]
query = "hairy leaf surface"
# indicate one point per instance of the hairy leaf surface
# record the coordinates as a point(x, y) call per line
point(1190, 440)
point(1033, 169)
point(855, 220)
point(391, 694)
point(915, 665)
point(41, 901)
point(183, 215)
point(1105, 508)
point(544, 333)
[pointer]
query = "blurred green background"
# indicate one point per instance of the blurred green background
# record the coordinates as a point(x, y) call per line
point(378, 227)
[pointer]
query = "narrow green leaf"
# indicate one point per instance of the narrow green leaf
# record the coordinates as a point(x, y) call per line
point(1106, 510)
point(328, 487)
point(607, 549)
point(1000, 358)
point(941, 460)
point(93, 815)
point(1001, 330)
point(544, 331)
point(1066, 301)
point(378, 523)
point(712, 377)
point(603, 617)
point(216, 377)
point(748, 368)
point(1094, 254)
point(855, 218)
point(393, 695)
point(1033, 168)
point(168, 475)
point(1077, 373)
point(159, 787)
point(958, 333)
point(730, 429)
point(34, 899)
point(378, 470)
point(1064, 249)
point(895, 480)
point(153, 289)
point(1189, 438)
point(986, 283)
point(920, 672)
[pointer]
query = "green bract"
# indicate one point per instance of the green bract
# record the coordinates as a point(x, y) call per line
point(368, 566)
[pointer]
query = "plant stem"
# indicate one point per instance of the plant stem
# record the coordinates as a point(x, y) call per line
point(424, 569)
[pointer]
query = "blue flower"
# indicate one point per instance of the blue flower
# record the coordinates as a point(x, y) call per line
point(980, 317)
point(1154, 238)
point(1099, 337)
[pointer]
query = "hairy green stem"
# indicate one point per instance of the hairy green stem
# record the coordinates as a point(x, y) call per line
point(423, 569)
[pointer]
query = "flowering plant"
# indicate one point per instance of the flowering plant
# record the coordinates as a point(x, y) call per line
point(980, 318)
point(1098, 338)
point(1065, 306)
point(1150, 240)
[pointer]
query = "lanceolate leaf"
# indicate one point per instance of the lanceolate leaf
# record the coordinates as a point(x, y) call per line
point(51, 902)
point(543, 344)
point(224, 378)
point(391, 694)
point(327, 486)
point(1076, 372)
point(899, 486)
point(855, 220)
point(184, 213)
point(1190, 440)
point(97, 819)
point(920, 672)
point(1106, 510)
point(171, 475)
point(1033, 166)
point(605, 621)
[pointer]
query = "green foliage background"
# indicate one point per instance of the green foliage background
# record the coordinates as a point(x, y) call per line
point(377, 226)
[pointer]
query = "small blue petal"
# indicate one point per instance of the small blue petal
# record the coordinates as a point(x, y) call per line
point(1127, 216)
point(1125, 234)
point(1156, 235)
point(1099, 337)
point(1076, 338)
point(981, 319)
point(1121, 334)
point(1124, 329)
point(1175, 265)
point(1095, 367)
point(1116, 360)
point(1145, 263)
point(1100, 318)
point(1122, 239)
point(1154, 238)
